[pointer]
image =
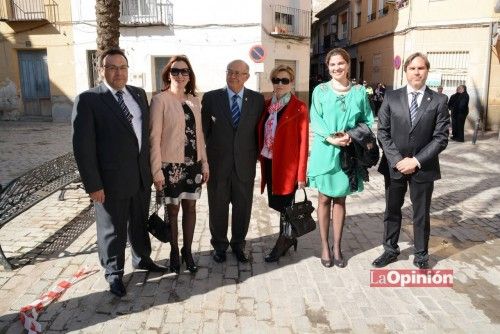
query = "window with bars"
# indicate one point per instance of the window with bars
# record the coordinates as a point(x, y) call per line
point(452, 65)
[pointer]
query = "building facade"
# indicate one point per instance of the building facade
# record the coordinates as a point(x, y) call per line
point(211, 33)
point(460, 39)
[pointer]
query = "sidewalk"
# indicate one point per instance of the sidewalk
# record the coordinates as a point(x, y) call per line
point(25, 145)
point(296, 295)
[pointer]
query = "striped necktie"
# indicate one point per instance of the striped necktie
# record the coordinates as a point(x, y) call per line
point(235, 110)
point(413, 106)
point(123, 106)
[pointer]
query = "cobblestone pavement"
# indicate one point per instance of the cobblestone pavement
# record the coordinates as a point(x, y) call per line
point(296, 295)
point(25, 145)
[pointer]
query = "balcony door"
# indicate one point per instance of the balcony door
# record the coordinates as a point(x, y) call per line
point(35, 85)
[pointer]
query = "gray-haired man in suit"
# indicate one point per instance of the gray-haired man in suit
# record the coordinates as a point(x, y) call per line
point(230, 116)
point(111, 147)
point(412, 130)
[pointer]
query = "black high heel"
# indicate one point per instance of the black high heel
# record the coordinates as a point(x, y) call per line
point(282, 246)
point(341, 262)
point(174, 265)
point(327, 263)
point(188, 258)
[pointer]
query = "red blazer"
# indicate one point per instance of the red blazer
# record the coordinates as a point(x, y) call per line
point(290, 148)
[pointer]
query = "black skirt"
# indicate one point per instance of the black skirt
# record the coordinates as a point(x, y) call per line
point(276, 202)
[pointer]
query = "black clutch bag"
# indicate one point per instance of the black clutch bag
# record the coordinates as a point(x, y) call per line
point(298, 219)
point(159, 228)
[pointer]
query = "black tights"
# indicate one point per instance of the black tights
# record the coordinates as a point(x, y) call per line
point(188, 223)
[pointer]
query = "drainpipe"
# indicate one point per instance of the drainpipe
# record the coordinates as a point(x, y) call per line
point(487, 78)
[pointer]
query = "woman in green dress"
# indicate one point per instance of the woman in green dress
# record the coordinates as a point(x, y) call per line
point(337, 106)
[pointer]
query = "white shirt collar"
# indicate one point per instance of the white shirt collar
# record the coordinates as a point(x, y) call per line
point(113, 91)
point(410, 89)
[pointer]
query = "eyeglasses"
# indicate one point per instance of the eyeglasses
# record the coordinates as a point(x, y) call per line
point(235, 73)
point(284, 81)
point(176, 71)
point(116, 68)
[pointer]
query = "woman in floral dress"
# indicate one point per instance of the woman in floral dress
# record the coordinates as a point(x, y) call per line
point(178, 157)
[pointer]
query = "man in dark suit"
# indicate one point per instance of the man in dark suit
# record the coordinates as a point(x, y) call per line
point(412, 130)
point(111, 148)
point(230, 116)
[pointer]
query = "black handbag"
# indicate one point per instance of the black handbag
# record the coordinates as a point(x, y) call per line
point(159, 228)
point(298, 219)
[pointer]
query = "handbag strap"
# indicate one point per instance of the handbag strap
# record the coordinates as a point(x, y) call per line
point(159, 200)
point(305, 196)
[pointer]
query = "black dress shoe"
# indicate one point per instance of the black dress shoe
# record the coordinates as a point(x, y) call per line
point(240, 255)
point(150, 266)
point(421, 264)
point(117, 288)
point(384, 259)
point(219, 256)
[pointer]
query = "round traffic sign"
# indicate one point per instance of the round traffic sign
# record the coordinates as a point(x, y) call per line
point(257, 53)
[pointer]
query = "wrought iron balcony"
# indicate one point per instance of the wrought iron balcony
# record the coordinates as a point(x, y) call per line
point(146, 12)
point(383, 11)
point(29, 10)
point(371, 17)
point(291, 22)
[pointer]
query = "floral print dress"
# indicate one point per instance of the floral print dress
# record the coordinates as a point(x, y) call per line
point(183, 180)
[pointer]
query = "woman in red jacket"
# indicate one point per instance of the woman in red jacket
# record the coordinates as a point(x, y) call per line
point(283, 145)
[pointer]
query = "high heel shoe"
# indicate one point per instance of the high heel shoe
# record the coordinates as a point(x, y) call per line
point(326, 263)
point(280, 248)
point(188, 258)
point(341, 262)
point(174, 265)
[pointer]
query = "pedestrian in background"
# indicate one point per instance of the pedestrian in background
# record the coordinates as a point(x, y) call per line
point(459, 107)
point(412, 130)
point(178, 157)
point(337, 106)
point(230, 117)
point(111, 148)
point(378, 97)
point(283, 134)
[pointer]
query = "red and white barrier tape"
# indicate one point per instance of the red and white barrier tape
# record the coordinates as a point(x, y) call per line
point(29, 313)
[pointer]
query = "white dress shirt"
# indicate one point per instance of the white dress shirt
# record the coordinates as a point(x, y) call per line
point(409, 91)
point(134, 109)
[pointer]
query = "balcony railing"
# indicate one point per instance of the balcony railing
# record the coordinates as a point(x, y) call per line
point(29, 10)
point(383, 11)
point(291, 22)
point(146, 12)
point(371, 17)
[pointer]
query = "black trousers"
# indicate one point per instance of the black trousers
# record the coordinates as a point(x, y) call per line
point(221, 193)
point(420, 195)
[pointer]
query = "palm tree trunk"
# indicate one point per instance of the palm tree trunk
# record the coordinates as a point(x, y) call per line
point(108, 24)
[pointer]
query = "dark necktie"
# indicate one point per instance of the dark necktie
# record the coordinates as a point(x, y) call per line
point(413, 106)
point(123, 106)
point(235, 110)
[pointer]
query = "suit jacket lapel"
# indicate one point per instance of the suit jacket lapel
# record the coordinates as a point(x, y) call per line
point(112, 104)
point(144, 113)
point(245, 109)
point(426, 99)
point(406, 108)
point(224, 107)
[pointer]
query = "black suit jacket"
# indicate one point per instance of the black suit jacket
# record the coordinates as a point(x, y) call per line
point(105, 146)
point(227, 146)
point(424, 140)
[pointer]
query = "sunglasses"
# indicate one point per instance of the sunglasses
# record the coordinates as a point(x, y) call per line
point(284, 81)
point(176, 71)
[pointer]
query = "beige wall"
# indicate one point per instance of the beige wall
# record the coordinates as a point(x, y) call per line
point(57, 39)
point(493, 117)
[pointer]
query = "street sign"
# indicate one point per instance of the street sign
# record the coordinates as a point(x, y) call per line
point(257, 53)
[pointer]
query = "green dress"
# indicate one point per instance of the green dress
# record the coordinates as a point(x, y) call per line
point(333, 112)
